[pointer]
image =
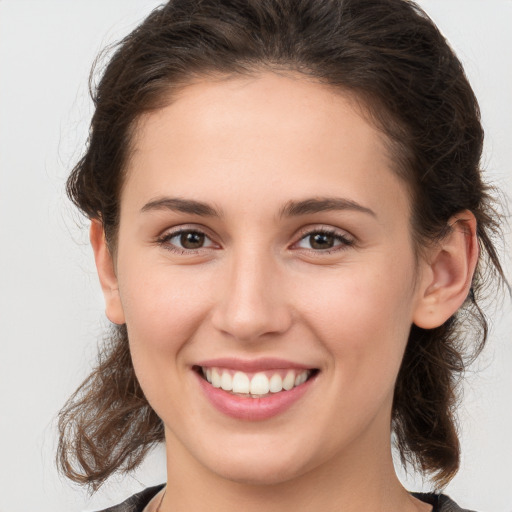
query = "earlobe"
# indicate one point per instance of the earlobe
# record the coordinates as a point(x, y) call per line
point(106, 273)
point(447, 279)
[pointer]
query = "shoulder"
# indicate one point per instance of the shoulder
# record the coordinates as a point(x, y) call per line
point(448, 505)
point(137, 502)
point(440, 502)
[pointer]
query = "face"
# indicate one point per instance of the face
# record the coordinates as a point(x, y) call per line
point(266, 275)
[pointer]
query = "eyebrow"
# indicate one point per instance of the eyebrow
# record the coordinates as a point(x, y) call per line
point(290, 209)
point(177, 204)
point(322, 204)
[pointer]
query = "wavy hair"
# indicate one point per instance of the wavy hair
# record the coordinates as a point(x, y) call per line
point(390, 57)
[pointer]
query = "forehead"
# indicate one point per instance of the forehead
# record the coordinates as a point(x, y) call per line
point(275, 136)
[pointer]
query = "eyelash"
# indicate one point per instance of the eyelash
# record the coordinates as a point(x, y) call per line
point(164, 240)
point(345, 242)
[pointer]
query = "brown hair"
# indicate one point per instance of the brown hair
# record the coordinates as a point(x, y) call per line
point(391, 57)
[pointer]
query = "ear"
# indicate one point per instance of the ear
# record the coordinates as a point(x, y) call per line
point(106, 273)
point(446, 278)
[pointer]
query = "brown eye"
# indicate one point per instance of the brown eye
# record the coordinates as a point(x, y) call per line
point(191, 240)
point(324, 241)
point(321, 241)
point(186, 240)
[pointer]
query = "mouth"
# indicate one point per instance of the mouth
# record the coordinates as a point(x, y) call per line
point(257, 384)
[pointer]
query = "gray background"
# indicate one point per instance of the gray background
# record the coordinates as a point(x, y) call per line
point(51, 308)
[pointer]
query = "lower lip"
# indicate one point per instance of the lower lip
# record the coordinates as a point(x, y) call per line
point(252, 409)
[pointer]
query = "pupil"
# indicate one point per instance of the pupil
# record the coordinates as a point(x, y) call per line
point(192, 240)
point(321, 241)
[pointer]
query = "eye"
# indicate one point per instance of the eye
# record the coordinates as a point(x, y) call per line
point(185, 240)
point(324, 240)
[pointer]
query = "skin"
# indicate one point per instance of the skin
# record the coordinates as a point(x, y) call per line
point(247, 146)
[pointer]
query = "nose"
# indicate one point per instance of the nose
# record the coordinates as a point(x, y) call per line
point(251, 301)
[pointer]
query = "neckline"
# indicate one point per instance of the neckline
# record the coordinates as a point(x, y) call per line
point(153, 494)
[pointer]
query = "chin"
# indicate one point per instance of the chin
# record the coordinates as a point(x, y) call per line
point(262, 466)
point(259, 474)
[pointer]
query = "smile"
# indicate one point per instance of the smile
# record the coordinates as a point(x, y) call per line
point(254, 391)
point(255, 385)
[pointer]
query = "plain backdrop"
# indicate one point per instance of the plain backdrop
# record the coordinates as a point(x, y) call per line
point(51, 308)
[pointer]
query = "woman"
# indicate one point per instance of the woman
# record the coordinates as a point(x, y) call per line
point(290, 227)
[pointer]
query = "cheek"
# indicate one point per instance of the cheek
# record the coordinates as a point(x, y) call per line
point(363, 318)
point(163, 309)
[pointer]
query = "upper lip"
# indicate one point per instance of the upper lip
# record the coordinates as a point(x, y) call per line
point(252, 365)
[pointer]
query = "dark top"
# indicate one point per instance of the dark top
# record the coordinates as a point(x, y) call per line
point(137, 502)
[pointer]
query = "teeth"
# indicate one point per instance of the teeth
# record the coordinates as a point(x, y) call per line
point(300, 379)
point(261, 383)
point(289, 380)
point(275, 383)
point(216, 378)
point(226, 381)
point(241, 383)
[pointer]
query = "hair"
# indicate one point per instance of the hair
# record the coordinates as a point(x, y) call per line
point(391, 58)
